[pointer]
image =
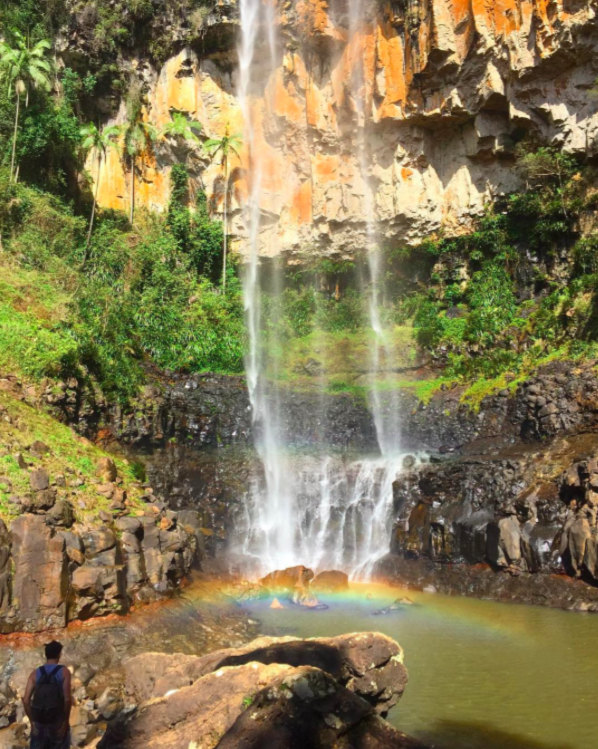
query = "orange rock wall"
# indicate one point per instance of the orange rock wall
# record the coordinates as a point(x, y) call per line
point(444, 85)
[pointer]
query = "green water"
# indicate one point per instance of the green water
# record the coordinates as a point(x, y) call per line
point(482, 675)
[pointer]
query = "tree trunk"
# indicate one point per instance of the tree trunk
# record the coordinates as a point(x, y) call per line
point(14, 139)
point(93, 210)
point(132, 209)
point(225, 226)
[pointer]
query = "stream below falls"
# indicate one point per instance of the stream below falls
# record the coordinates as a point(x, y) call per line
point(482, 675)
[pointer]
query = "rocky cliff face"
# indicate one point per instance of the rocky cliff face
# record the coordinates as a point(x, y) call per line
point(449, 86)
point(506, 507)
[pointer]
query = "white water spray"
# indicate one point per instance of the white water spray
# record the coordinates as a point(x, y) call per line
point(324, 512)
point(269, 534)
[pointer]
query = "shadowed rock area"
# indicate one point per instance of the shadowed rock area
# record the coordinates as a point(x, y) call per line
point(274, 692)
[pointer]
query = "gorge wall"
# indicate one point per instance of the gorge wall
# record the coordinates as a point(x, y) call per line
point(450, 86)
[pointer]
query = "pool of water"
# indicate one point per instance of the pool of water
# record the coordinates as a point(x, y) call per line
point(483, 675)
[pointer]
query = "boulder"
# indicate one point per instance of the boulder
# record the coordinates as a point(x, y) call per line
point(41, 578)
point(106, 470)
point(39, 502)
point(39, 449)
point(155, 674)
point(87, 581)
point(331, 581)
point(61, 514)
point(97, 541)
point(39, 480)
point(256, 705)
point(369, 664)
point(287, 581)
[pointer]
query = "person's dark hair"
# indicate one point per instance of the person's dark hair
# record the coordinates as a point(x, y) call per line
point(53, 650)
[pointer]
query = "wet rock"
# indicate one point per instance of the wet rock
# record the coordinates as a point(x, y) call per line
point(288, 581)
point(332, 581)
point(396, 606)
point(504, 542)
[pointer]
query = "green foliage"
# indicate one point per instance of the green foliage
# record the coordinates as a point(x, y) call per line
point(225, 146)
point(478, 324)
point(297, 312)
point(197, 236)
point(181, 128)
point(492, 303)
point(23, 68)
point(139, 299)
point(32, 347)
point(585, 255)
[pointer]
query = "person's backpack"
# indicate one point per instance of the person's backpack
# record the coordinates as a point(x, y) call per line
point(47, 704)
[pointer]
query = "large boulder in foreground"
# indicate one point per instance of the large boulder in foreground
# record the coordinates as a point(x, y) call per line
point(274, 693)
point(255, 706)
point(368, 664)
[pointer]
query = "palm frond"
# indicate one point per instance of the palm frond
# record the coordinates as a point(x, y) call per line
point(212, 145)
point(39, 79)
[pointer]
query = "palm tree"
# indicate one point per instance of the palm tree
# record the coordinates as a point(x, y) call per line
point(226, 146)
point(23, 67)
point(139, 137)
point(180, 128)
point(100, 141)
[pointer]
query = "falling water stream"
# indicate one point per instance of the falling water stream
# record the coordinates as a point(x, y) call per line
point(323, 510)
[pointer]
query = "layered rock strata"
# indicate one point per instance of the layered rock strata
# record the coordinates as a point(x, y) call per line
point(441, 91)
point(62, 574)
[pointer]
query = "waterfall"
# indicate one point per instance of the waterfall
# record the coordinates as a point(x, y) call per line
point(324, 510)
point(270, 516)
point(385, 406)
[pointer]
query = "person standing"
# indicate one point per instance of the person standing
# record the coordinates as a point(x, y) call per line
point(48, 702)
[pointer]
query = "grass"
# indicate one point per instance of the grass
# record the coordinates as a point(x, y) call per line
point(33, 341)
point(70, 455)
point(425, 390)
